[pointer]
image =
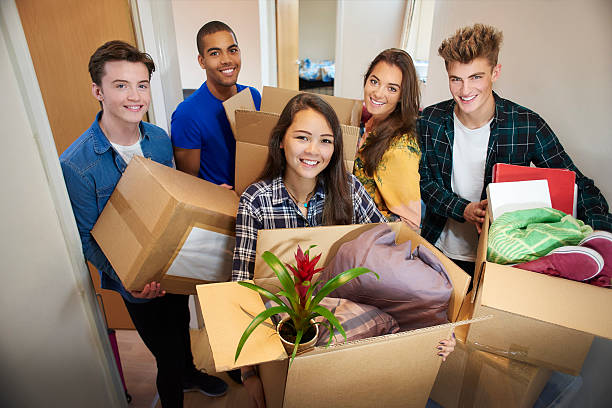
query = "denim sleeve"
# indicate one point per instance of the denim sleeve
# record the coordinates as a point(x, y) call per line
point(83, 199)
point(592, 206)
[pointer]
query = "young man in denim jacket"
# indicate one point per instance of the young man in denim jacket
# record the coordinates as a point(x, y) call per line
point(92, 166)
point(462, 138)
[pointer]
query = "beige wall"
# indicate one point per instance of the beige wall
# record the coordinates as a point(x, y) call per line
point(556, 60)
point(317, 29)
point(53, 345)
point(241, 15)
point(365, 29)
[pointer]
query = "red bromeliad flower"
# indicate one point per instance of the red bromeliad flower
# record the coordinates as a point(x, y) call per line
point(304, 272)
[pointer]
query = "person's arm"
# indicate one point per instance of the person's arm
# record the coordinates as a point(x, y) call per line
point(187, 160)
point(247, 225)
point(436, 196)
point(364, 207)
point(398, 181)
point(253, 385)
point(592, 206)
point(83, 200)
point(84, 203)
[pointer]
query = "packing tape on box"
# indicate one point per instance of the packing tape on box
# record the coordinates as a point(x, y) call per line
point(131, 218)
point(515, 351)
point(516, 371)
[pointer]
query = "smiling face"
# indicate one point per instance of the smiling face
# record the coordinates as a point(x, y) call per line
point(221, 59)
point(471, 85)
point(382, 90)
point(124, 91)
point(308, 145)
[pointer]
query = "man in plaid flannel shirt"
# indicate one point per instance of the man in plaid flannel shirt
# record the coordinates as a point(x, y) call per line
point(463, 138)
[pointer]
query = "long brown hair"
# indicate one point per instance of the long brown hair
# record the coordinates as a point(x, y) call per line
point(338, 207)
point(403, 118)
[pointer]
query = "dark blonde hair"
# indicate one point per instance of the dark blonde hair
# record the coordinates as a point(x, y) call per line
point(403, 118)
point(469, 43)
point(338, 207)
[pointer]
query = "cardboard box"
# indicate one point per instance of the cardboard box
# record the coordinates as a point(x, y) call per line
point(252, 129)
point(159, 223)
point(392, 371)
point(477, 379)
point(539, 319)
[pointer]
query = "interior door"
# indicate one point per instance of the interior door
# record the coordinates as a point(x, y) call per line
point(61, 37)
point(287, 41)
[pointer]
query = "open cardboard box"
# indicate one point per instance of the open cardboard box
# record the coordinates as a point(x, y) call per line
point(159, 222)
point(393, 370)
point(477, 379)
point(252, 129)
point(539, 319)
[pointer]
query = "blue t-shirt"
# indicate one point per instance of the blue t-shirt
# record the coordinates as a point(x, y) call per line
point(199, 122)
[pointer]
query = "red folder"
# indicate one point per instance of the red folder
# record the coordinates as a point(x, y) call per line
point(560, 182)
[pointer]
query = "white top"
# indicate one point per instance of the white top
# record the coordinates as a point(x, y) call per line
point(459, 240)
point(127, 152)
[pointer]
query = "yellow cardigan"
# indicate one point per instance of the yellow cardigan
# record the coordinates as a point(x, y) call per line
point(395, 186)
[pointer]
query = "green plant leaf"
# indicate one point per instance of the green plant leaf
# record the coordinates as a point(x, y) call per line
point(263, 292)
point(338, 281)
point(257, 320)
point(309, 293)
point(294, 302)
point(329, 329)
point(281, 272)
point(298, 338)
point(322, 311)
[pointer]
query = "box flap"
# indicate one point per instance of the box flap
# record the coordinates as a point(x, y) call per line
point(404, 365)
point(550, 299)
point(227, 309)
point(283, 243)
point(348, 110)
point(243, 100)
point(481, 255)
point(254, 127)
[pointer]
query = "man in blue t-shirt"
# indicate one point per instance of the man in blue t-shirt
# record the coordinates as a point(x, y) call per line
point(204, 145)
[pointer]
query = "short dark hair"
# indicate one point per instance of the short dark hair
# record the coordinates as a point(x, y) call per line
point(116, 51)
point(338, 207)
point(210, 28)
point(469, 43)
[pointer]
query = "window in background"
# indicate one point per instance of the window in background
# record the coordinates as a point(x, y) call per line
point(416, 33)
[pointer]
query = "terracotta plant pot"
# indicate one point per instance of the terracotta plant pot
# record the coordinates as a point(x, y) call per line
point(290, 345)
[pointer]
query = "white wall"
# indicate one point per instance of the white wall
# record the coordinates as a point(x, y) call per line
point(365, 29)
point(317, 29)
point(53, 346)
point(241, 15)
point(556, 60)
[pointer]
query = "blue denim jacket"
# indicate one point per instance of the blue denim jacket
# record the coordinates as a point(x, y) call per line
point(92, 169)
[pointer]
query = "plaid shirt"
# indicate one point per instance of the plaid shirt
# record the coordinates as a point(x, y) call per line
point(518, 136)
point(267, 205)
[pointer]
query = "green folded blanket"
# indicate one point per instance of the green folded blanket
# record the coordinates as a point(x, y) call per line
point(525, 235)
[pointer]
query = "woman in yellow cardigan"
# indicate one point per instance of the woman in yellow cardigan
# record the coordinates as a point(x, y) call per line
point(387, 162)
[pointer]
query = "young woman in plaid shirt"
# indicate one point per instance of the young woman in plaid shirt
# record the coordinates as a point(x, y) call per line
point(304, 184)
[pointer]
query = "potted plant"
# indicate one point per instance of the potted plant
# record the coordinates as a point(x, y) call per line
point(301, 304)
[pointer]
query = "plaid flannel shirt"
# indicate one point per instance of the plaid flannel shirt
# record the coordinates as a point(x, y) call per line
point(267, 205)
point(518, 136)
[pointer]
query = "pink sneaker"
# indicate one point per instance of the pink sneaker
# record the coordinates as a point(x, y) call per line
point(601, 241)
point(571, 262)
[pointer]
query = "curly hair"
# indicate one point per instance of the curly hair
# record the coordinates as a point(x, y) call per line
point(469, 43)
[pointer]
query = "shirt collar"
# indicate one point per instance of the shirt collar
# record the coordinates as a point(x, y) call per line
point(101, 142)
point(280, 194)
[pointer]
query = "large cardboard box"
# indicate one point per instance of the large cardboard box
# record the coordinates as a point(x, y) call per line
point(388, 371)
point(477, 379)
point(164, 225)
point(252, 129)
point(539, 319)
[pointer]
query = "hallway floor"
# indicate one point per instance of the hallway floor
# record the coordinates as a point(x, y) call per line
point(139, 372)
